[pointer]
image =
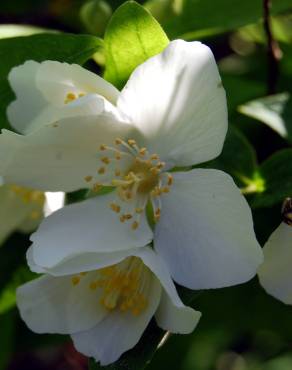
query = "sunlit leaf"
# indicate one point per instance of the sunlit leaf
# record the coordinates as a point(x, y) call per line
point(131, 37)
point(275, 111)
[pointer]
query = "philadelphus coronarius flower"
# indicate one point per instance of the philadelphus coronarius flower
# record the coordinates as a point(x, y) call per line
point(22, 208)
point(105, 303)
point(275, 273)
point(78, 131)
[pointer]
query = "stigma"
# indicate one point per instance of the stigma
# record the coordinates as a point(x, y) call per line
point(122, 286)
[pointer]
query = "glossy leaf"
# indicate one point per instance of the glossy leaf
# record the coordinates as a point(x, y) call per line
point(131, 37)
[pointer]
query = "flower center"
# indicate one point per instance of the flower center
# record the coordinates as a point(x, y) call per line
point(123, 286)
point(71, 96)
point(138, 177)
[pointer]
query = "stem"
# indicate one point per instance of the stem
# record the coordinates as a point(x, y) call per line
point(274, 52)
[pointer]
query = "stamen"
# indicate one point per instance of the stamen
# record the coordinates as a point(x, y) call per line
point(115, 207)
point(101, 170)
point(103, 147)
point(75, 280)
point(88, 178)
point(105, 160)
point(135, 225)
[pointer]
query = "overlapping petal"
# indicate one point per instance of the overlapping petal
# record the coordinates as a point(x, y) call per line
point(205, 233)
point(88, 226)
point(59, 156)
point(177, 101)
point(275, 273)
point(43, 87)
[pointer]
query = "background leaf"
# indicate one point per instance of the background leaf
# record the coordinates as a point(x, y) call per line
point(275, 111)
point(276, 173)
point(61, 47)
point(131, 37)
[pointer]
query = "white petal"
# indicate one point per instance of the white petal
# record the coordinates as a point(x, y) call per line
point(205, 233)
point(172, 314)
point(182, 319)
point(89, 226)
point(177, 101)
point(118, 332)
point(55, 80)
point(55, 305)
point(275, 273)
point(59, 156)
point(41, 89)
point(17, 212)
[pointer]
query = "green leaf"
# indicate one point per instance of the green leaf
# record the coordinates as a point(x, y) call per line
point(7, 339)
point(7, 295)
point(275, 111)
point(237, 158)
point(61, 47)
point(194, 19)
point(276, 173)
point(131, 37)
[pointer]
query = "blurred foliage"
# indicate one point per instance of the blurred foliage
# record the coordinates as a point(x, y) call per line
point(242, 328)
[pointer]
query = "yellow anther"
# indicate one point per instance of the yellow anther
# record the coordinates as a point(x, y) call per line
point(96, 187)
point(160, 165)
point(169, 180)
point(122, 218)
point(118, 156)
point(157, 214)
point(131, 142)
point(88, 178)
point(69, 98)
point(154, 170)
point(55, 124)
point(135, 225)
point(103, 147)
point(115, 207)
point(128, 216)
point(105, 160)
point(117, 173)
point(101, 170)
point(118, 141)
point(142, 151)
point(154, 157)
point(139, 210)
point(80, 95)
point(165, 189)
point(129, 195)
point(75, 280)
point(93, 285)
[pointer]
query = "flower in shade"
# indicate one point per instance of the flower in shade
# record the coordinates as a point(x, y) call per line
point(141, 142)
point(22, 209)
point(275, 273)
point(105, 304)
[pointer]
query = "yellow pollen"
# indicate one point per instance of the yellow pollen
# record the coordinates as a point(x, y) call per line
point(115, 207)
point(165, 189)
point(75, 280)
point(135, 225)
point(88, 178)
point(142, 151)
point(154, 157)
point(118, 156)
point(101, 170)
point(70, 97)
point(118, 141)
point(117, 173)
point(93, 285)
point(122, 218)
point(102, 147)
point(169, 180)
point(105, 160)
point(139, 210)
point(28, 195)
point(157, 214)
point(96, 187)
point(80, 95)
point(160, 165)
point(154, 170)
point(128, 216)
point(131, 142)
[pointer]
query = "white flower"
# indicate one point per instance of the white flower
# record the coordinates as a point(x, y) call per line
point(275, 273)
point(171, 113)
point(105, 304)
point(22, 208)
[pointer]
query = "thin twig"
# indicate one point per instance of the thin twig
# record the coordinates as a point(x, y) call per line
point(274, 51)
